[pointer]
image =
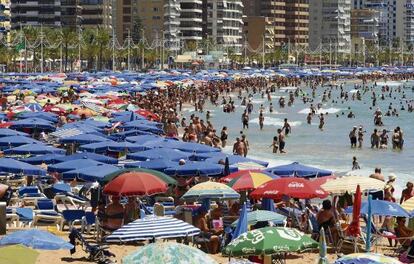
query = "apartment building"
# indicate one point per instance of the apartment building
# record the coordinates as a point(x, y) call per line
point(35, 13)
point(330, 25)
point(96, 13)
point(4, 18)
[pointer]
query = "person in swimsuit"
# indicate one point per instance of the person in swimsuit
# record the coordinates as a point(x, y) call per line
point(407, 193)
point(114, 215)
point(389, 188)
point(326, 218)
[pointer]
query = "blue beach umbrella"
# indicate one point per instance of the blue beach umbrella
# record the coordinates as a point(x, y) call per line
point(83, 139)
point(156, 164)
point(233, 159)
point(47, 116)
point(241, 224)
point(368, 238)
point(143, 139)
point(296, 169)
point(159, 153)
point(7, 132)
point(33, 123)
point(18, 167)
point(33, 149)
point(72, 165)
point(36, 239)
point(46, 158)
point(197, 169)
point(91, 174)
point(13, 141)
point(381, 208)
point(34, 107)
point(88, 155)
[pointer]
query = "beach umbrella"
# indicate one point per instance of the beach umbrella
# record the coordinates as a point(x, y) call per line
point(46, 158)
point(248, 181)
point(39, 115)
point(83, 139)
point(72, 165)
point(349, 184)
point(13, 141)
point(323, 252)
point(366, 258)
point(151, 228)
point(7, 132)
point(233, 159)
point(263, 216)
point(58, 110)
point(197, 169)
point(382, 208)
point(143, 138)
point(159, 153)
point(88, 155)
point(168, 253)
point(36, 239)
point(354, 228)
point(158, 164)
point(211, 190)
point(162, 176)
point(293, 187)
point(241, 226)
point(135, 183)
point(268, 241)
point(33, 149)
point(148, 115)
point(296, 169)
point(14, 166)
point(90, 173)
point(34, 107)
point(33, 123)
point(183, 146)
point(408, 205)
point(18, 254)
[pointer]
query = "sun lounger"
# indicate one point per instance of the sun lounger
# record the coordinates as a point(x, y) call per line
point(45, 213)
point(70, 217)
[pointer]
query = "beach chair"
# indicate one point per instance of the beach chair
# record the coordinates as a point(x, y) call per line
point(97, 253)
point(12, 217)
point(345, 239)
point(70, 217)
point(376, 235)
point(315, 233)
point(88, 222)
point(70, 201)
point(168, 203)
point(45, 213)
point(30, 194)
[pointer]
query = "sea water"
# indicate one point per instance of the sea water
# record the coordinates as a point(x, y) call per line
point(330, 148)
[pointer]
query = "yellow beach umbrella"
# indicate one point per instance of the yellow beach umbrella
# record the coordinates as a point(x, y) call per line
point(349, 184)
point(18, 254)
point(210, 190)
point(408, 205)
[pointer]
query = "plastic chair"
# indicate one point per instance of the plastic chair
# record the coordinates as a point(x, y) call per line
point(70, 217)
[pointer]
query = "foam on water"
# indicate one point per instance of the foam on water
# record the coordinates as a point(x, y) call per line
point(271, 121)
point(331, 110)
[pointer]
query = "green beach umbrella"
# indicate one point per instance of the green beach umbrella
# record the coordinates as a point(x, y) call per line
point(262, 216)
point(18, 254)
point(268, 241)
point(172, 253)
point(322, 248)
point(162, 176)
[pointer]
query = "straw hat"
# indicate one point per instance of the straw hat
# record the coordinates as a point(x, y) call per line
point(392, 177)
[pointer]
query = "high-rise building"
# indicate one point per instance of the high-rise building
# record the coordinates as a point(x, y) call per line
point(151, 14)
point(70, 13)
point(96, 13)
point(330, 25)
point(364, 29)
point(191, 20)
point(223, 23)
point(172, 11)
point(286, 22)
point(4, 18)
point(35, 13)
point(125, 12)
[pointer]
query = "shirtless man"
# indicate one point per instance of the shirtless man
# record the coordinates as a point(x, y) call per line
point(261, 120)
point(246, 144)
point(171, 129)
point(281, 138)
point(375, 139)
point(353, 137)
point(239, 147)
point(286, 127)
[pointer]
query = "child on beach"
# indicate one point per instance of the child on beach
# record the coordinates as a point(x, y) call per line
point(355, 164)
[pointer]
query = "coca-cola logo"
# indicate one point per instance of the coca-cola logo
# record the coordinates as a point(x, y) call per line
point(296, 185)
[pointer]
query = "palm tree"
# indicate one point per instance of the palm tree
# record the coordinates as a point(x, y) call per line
point(68, 38)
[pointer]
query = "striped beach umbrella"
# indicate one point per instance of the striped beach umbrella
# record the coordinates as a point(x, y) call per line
point(153, 227)
point(249, 181)
point(210, 190)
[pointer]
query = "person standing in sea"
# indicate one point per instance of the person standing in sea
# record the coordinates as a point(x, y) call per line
point(261, 120)
point(281, 138)
point(321, 121)
point(353, 137)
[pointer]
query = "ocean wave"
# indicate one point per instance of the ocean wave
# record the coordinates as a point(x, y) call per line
point(271, 121)
point(331, 110)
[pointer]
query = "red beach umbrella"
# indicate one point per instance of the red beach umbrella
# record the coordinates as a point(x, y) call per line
point(354, 228)
point(236, 174)
point(148, 114)
point(292, 187)
point(135, 183)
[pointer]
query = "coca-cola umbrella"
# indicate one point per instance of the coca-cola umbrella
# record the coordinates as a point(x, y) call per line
point(135, 183)
point(292, 187)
